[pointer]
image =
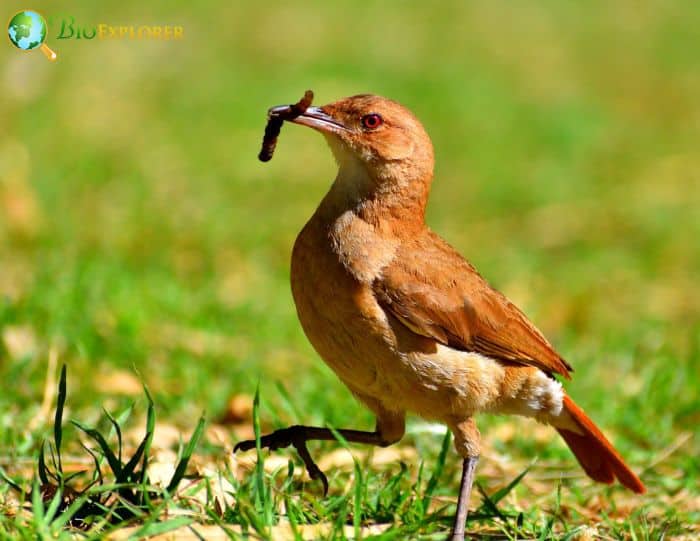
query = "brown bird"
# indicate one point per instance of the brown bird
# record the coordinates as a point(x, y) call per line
point(406, 322)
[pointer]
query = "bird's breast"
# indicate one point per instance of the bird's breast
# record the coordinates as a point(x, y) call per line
point(333, 266)
point(360, 247)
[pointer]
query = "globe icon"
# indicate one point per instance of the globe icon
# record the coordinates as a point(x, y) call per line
point(27, 31)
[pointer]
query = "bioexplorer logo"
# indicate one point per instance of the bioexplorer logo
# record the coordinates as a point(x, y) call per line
point(27, 31)
point(72, 30)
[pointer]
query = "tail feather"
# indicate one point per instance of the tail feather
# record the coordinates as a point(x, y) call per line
point(595, 453)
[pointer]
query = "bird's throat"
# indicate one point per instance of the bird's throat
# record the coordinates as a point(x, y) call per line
point(375, 195)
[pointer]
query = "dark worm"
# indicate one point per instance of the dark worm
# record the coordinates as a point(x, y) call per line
point(275, 117)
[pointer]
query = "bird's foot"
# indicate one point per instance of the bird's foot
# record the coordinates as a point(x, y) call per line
point(297, 436)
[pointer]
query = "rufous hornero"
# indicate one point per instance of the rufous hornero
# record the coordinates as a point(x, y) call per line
point(407, 323)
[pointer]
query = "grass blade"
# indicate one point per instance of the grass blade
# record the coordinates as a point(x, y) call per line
point(112, 460)
point(503, 492)
point(37, 504)
point(263, 497)
point(58, 420)
point(118, 432)
point(150, 429)
point(357, 512)
point(97, 474)
point(54, 505)
point(68, 514)
point(186, 455)
point(159, 528)
point(130, 467)
point(43, 470)
point(10, 482)
point(492, 509)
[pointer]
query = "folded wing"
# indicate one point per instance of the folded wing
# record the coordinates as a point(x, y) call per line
point(439, 295)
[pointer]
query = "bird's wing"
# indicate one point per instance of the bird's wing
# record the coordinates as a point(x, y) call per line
point(435, 293)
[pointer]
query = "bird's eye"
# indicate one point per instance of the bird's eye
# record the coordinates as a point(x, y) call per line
point(372, 121)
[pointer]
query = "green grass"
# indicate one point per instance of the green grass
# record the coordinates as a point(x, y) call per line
point(138, 230)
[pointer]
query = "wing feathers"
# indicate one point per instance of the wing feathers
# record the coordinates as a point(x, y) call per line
point(444, 298)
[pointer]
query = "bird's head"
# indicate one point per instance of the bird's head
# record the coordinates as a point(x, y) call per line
point(377, 134)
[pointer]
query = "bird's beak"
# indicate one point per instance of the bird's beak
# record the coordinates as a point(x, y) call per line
point(313, 117)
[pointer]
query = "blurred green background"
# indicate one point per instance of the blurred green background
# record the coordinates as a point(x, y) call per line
point(137, 227)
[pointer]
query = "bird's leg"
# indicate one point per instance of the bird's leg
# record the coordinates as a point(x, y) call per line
point(465, 489)
point(467, 443)
point(298, 435)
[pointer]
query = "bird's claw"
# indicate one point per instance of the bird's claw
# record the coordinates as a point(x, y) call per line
point(276, 440)
point(284, 437)
point(313, 470)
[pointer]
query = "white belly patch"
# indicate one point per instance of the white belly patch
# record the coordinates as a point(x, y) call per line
point(451, 383)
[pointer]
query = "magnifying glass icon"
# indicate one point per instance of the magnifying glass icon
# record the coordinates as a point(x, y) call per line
point(27, 31)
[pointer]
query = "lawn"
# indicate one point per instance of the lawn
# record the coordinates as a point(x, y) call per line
point(141, 241)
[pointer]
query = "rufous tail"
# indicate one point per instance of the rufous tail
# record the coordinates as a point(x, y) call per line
point(595, 453)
